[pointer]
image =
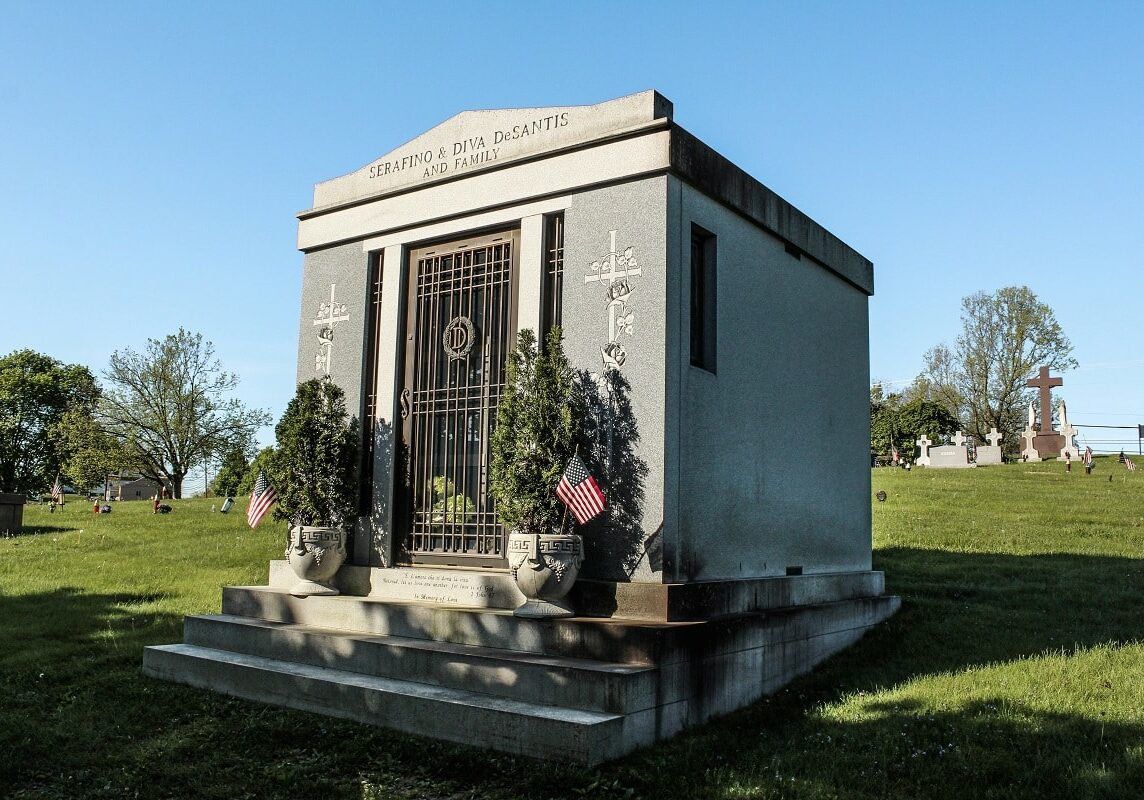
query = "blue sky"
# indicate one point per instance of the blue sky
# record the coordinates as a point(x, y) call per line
point(153, 155)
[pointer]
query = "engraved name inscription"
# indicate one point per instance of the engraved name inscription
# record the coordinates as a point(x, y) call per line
point(466, 153)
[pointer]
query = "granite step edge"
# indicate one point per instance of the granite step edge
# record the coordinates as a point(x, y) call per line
point(505, 724)
point(543, 679)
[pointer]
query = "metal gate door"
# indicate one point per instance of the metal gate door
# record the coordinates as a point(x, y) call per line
point(460, 328)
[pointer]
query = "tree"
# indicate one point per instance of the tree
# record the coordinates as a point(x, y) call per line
point(920, 417)
point(90, 454)
point(230, 472)
point(539, 428)
point(315, 466)
point(35, 393)
point(899, 420)
point(1005, 337)
point(167, 407)
point(263, 462)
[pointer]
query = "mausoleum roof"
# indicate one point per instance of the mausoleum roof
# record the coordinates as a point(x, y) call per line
point(475, 143)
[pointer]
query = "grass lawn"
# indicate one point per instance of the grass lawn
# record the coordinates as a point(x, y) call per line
point(1015, 668)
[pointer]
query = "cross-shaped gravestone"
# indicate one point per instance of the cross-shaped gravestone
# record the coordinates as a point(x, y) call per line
point(994, 437)
point(959, 440)
point(924, 443)
point(1044, 383)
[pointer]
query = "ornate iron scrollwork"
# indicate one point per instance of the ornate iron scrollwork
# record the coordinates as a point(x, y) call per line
point(404, 401)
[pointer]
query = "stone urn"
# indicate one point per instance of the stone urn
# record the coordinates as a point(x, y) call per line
point(544, 567)
point(315, 554)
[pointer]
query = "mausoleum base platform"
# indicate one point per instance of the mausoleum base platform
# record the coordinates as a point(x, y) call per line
point(581, 690)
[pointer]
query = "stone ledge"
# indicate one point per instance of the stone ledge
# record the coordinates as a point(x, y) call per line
point(614, 640)
point(456, 587)
point(685, 602)
point(653, 602)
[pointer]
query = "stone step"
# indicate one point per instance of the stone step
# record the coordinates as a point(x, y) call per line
point(619, 641)
point(612, 640)
point(455, 715)
point(578, 683)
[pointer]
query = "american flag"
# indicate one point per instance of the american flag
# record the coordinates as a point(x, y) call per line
point(57, 489)
point(579, 491)
point(896, 457)
point(1128, 463)
point(1087, 455)
point(260, 500)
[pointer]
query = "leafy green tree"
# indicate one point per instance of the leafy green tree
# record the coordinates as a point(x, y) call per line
point(920, 416)
point(1005, 337)
point(314, 470)
point(167, 407)
point(898, 421)
point(230, 473)
point(538, 430)
point(36, 391)
point(264, 462)
point(89, 453)
point(884, 434)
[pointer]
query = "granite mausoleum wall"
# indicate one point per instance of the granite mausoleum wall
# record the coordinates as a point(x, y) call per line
point(620, 317)
point(768, 470)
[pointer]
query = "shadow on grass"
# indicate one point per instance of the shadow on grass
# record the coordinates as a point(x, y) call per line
point(966, 609)
point(92, 726)
point(66, 672)
point(38, 530)
point(960, 611)
point(988, 748)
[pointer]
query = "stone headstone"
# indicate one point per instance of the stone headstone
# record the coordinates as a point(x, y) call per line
point(1069, 452)
point(955, 455)
point(990, 453)
point(949, 456)
point(11, 514)
point(1029, 451)
point(924, 447)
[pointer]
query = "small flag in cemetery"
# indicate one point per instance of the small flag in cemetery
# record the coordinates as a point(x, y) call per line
point(260, 500)
point(1087, 455)
point(895, 456)
point(579, 491)
point(1128, 463)
point(57, 488)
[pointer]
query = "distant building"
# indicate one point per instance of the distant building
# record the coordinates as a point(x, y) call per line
point(131, 487)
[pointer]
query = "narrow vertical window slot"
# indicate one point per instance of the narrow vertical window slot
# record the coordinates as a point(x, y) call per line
point(553, 279)
point(704, 291)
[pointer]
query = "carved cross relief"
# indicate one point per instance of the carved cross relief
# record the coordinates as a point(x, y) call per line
point(615, 269)
point(329, 315)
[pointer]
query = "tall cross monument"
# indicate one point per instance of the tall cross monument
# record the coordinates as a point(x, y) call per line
point(1044, 383)
point(1047, 439)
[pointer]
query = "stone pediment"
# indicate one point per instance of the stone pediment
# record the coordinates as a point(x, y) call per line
point(474, 140)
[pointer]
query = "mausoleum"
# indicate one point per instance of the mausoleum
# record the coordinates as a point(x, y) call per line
point(721, 336)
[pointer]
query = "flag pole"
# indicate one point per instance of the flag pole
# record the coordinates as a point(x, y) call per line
point(564, 516)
